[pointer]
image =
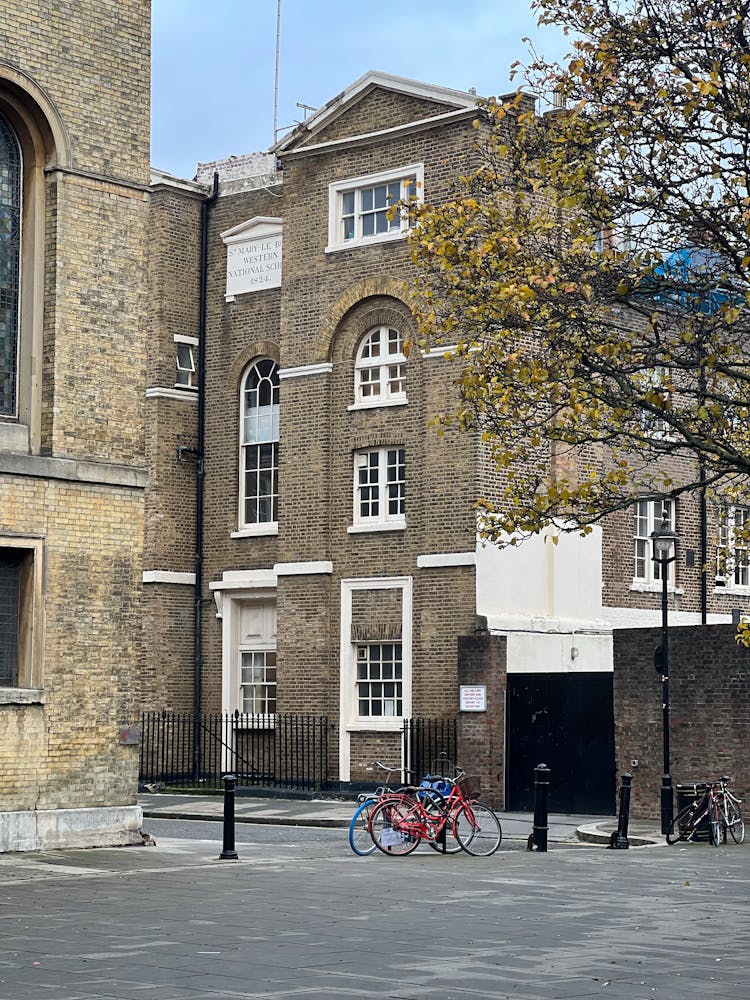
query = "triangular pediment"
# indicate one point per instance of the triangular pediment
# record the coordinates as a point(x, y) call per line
point(375, 102)
point(255, 228)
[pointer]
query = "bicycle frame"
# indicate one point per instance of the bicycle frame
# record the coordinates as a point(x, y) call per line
point(419, 821)
point(722, 796)
point(719, 806)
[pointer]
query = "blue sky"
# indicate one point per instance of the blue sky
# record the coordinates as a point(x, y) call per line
point(213, 63)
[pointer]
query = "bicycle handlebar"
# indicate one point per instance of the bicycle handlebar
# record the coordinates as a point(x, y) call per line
point(390, 769)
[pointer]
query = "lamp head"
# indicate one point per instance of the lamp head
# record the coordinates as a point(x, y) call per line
point(664, 540)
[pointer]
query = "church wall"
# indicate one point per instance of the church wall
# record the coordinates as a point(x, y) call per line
point(75, 80)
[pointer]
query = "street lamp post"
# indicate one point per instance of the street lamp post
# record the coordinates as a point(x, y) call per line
point(664, 540)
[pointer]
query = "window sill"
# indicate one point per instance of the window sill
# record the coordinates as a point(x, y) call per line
point(21, 696)
point(376, 404)
point(367, 241)
point(14, 437)
point(733, 591)
point(640, 587)
point(165, 392)
point(257, 531)
point(358, 529)
point(382, 725)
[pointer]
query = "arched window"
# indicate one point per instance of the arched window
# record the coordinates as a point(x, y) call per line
point(10, 253)
point(379, 374)
point(259, 444)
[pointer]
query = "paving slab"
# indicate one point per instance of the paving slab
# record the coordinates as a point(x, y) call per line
point(171, 922)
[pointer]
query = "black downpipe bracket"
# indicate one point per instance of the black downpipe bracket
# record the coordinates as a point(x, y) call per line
point(200, 475)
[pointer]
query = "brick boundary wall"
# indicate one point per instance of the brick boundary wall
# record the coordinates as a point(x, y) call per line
point(709, 709)
point(481, 735)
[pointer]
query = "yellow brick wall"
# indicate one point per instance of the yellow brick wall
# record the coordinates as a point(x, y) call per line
point(66, 753)
point(92, 58)
point(87, 66)
point(99, 357)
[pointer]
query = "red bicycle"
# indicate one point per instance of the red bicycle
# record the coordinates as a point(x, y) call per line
point(401, 821)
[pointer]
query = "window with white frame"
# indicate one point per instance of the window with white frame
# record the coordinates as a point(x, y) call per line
point(259, 445)
point(648, 515)
point(379, 375)
point(185, 348)
point(249, 653)
point(379, 680)
point(258, 681)
point(380, 487)
point(733, 550)
point(360, 208)
point(655, 385)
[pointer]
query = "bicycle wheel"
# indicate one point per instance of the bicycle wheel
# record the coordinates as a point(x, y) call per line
point(736, 825)
point(717, 833)
point(477, 829)
point(392, 827)
point(360, 840)
point(680, 825)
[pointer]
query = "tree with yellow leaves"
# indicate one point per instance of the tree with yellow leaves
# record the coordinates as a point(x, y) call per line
point(591, 278)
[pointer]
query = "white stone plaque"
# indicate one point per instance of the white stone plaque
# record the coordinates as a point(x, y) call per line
point(473, 697)
point(253, 256)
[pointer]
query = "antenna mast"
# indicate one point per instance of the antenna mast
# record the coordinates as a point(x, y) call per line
point(276, 79)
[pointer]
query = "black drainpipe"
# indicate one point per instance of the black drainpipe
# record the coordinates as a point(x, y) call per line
point(200, 475)
point(703, 508)
point(704, 546)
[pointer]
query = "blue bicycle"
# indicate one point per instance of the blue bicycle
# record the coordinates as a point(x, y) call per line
point(360, 840)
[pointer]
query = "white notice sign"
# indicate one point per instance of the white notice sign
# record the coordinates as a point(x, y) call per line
point(473, 697)
point(253, 256)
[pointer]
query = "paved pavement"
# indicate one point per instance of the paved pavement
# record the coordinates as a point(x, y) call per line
point(333, 813)
point(291, 921)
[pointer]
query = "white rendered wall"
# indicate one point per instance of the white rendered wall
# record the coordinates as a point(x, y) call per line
point(547, 600)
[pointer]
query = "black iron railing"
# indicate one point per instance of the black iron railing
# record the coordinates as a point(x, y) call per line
point(269, 751)
point(427, 740)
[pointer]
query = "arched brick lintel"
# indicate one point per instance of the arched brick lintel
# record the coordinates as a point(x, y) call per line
point(383, 284)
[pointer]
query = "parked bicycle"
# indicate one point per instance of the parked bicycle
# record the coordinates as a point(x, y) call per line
point(726, 811)
point(718, 808)
point(360, 839)
point(401, 821)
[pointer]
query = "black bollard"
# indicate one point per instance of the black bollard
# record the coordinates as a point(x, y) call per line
point(619, 839)
point(538, 837)
point(228, 852)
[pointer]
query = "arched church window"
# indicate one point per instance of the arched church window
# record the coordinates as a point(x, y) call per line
point(10, 255)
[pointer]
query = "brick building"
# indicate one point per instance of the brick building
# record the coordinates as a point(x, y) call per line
point(74, 175)
point(340, 572)
point(303, 541)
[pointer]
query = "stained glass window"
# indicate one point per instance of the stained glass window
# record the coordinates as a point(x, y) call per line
point(10, 245)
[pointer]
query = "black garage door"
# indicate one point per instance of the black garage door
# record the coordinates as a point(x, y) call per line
point(565, 721)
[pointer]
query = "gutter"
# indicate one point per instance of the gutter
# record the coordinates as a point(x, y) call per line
point(200, 477)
